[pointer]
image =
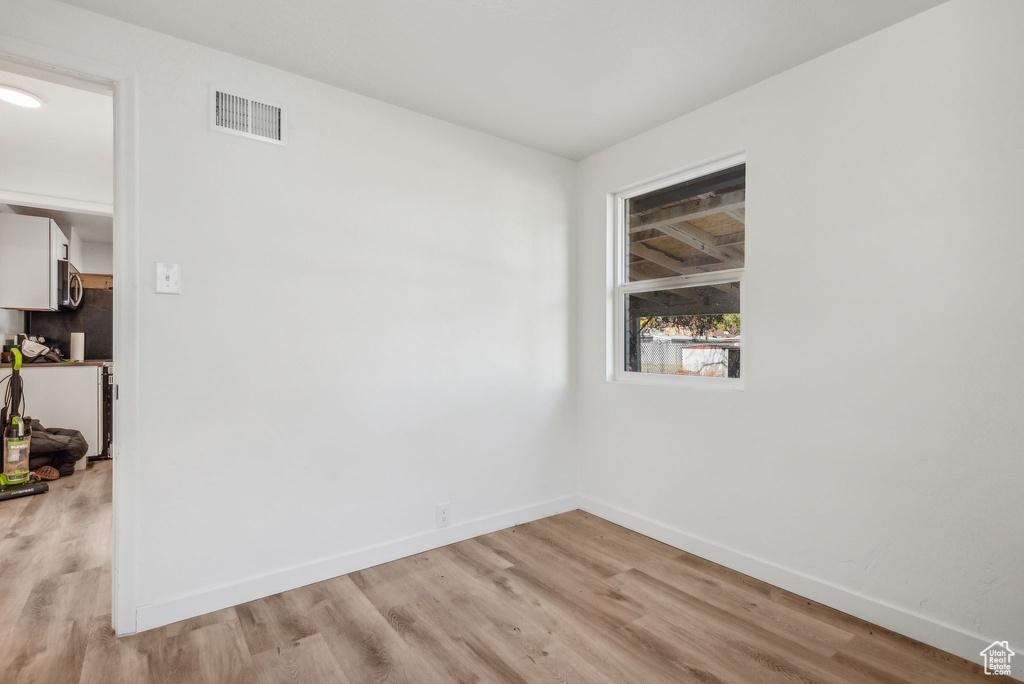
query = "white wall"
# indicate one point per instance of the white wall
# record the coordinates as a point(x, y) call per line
point(11, 322)
point(75, 249)
point(90, 257)
point(97, 257)
point(881, 201)
point(273, 456)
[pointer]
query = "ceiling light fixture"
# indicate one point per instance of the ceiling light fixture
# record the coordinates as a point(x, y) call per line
point(17, 96)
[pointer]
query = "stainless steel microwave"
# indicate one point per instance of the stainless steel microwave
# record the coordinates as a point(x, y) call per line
point(69, 286)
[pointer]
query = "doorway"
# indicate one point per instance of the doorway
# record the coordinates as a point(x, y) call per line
point(119, 288)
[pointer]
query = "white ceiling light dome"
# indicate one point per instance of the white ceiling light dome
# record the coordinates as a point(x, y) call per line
point(17, 96)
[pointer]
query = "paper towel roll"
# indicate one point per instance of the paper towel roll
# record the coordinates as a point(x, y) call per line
point(78, 346)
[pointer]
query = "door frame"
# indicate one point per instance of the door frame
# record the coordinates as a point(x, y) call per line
point(123, 82)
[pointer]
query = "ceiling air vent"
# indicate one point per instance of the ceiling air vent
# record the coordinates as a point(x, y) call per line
point(248, 117)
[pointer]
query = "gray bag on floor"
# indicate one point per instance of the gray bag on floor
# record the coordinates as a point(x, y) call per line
point(56, 447)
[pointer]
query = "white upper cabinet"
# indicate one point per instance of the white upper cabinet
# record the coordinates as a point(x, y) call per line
point(30, 247)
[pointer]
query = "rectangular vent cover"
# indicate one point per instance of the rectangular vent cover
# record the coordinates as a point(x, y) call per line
point(247, 117)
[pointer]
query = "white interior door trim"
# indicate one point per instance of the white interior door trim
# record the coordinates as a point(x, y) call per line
point(126, 303)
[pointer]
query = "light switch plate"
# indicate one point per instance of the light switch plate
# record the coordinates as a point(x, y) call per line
point(168, 278)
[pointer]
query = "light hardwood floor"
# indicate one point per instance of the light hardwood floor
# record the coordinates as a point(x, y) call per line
point(571, 598)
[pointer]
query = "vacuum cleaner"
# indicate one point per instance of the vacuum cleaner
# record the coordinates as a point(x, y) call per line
point(17, 436)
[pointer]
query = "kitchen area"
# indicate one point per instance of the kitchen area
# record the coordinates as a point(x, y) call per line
point(67, 343)
point(56, 271)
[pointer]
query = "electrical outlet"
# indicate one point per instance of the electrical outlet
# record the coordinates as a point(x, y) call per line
point(442, 513)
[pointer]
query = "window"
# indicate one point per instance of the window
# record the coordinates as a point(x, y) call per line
point(678, 279)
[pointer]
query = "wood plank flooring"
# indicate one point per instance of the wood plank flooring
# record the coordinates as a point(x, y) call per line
point(571, 598)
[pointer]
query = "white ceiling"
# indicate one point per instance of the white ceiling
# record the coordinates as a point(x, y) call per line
point(567, 76)
point(61, 154)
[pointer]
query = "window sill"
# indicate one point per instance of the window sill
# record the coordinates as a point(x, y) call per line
point(690, 381)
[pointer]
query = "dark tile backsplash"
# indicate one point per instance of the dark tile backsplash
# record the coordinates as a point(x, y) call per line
point(95, 317)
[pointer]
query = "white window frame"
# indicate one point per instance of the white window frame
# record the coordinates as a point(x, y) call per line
point(621, 288)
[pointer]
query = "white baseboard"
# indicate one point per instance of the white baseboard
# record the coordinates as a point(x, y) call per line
point(183, 607)
point(901, 620)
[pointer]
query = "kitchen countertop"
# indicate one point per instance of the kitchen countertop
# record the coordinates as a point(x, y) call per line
point(51, 364)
